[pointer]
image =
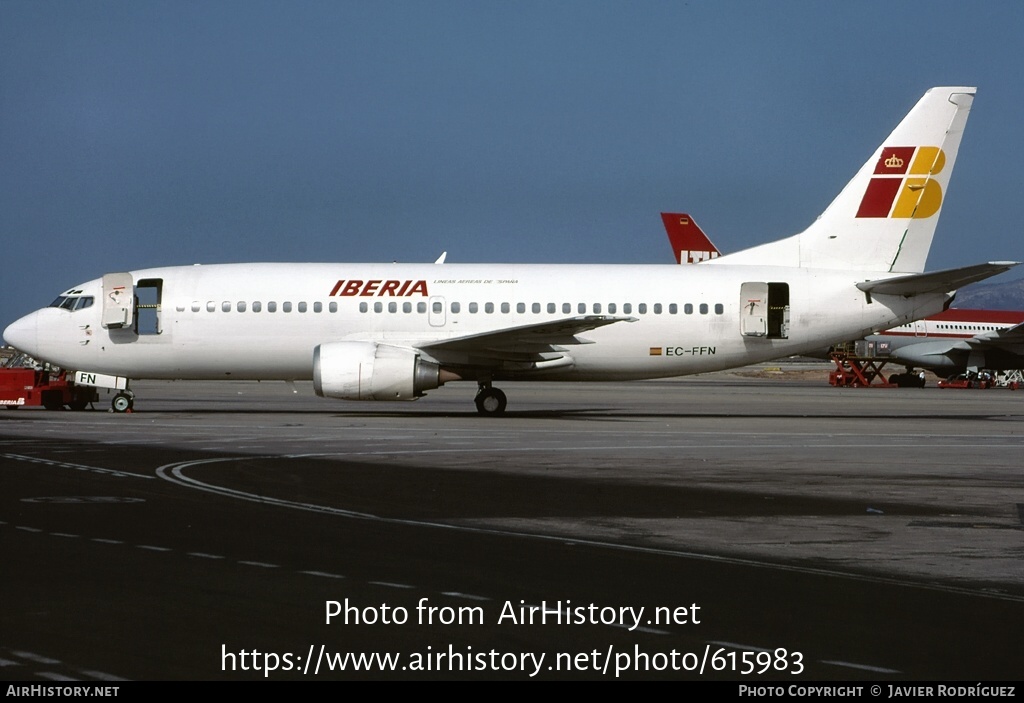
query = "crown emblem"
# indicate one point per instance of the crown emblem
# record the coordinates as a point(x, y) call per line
point(894, 162)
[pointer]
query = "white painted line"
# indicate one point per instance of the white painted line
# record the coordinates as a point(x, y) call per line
point(153, 548)
point(76, 467)
point(323, 574)
point(53, 676)
point(33, 657)
point(102, 676)
point(467, 596)
point(861, 667)
point(390, 585)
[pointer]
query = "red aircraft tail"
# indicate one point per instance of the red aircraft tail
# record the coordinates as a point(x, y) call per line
point(689, 243)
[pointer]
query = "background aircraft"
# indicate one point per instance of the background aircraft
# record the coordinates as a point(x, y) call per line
point(957, 341)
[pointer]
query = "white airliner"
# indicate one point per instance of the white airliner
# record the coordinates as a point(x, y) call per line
point(395, 331)
point(957, 341)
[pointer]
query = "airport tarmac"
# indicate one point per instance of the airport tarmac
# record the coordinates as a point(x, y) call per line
point(877, 533)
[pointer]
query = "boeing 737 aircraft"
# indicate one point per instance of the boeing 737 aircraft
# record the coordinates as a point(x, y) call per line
point(396, 331)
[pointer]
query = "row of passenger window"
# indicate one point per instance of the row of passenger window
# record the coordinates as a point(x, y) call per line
point(551, 308)
point(456, 308)
point(257, 306)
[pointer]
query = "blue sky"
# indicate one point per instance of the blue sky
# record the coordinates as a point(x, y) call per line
point(136, 134)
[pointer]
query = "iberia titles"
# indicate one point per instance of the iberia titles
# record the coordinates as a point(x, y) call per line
point(380, 288)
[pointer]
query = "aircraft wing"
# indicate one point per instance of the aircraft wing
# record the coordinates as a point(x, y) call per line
point(1013, 334)
point(936, 281)
point(531, 344)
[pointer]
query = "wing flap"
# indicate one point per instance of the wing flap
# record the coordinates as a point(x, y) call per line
point(541, 342)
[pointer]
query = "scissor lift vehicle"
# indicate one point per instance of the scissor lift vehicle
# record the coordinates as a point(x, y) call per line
point(854, 371)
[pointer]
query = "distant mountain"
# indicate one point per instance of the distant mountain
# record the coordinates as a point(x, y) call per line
point(992, 296)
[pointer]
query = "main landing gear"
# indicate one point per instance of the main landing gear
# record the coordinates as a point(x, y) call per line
point(489, 400)
point(123, 402)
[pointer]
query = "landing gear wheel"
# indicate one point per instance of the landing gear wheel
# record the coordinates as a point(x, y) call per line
point(122, 403)
point(490, 401)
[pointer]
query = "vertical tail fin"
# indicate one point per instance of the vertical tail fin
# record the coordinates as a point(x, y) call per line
point(689, 243)
point(884, 219)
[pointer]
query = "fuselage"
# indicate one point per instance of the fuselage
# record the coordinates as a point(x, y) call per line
point(263, 321)
point(957, 340)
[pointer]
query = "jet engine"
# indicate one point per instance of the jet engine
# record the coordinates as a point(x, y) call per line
point(371, 371)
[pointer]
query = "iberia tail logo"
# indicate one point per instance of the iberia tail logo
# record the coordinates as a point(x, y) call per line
point(903, 184)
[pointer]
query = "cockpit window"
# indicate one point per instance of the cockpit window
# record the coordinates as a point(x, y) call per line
point(72, 302)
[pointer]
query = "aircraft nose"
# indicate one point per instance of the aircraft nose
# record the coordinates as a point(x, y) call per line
point(22, 334)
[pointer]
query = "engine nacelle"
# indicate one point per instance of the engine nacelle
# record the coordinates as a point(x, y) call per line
point(370, 371)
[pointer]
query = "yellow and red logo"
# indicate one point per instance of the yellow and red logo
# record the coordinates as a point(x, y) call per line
point(903, 184)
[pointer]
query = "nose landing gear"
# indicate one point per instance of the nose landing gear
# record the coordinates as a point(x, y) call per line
point(123, 402)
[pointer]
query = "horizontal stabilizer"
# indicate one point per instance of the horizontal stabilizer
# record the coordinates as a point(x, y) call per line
point(936, 281)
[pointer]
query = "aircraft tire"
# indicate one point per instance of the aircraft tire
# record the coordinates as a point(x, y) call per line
point(122, 403)
point(491, 402)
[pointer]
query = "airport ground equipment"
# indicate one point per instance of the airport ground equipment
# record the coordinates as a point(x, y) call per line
point(26, 387)
point(854, 371)
point(1012, 379)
